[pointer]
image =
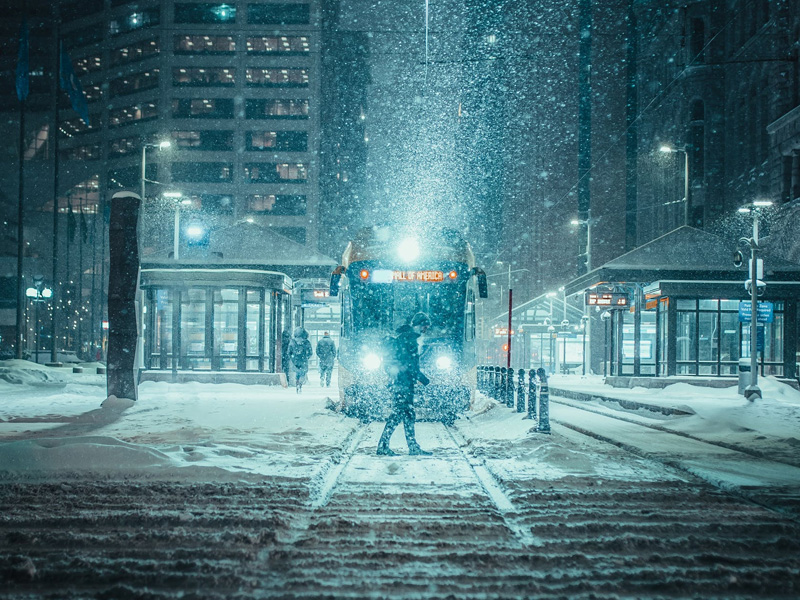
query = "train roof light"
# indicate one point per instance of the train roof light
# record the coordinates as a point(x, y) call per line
point(364, 274)
point(408, 249)
point(453, 274)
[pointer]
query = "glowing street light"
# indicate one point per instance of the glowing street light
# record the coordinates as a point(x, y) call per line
point(685, 150)
point(752, 391)
point(162, 145)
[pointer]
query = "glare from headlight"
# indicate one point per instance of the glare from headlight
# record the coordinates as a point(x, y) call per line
point(444, 363)
point(371, 361)
point(408, 249)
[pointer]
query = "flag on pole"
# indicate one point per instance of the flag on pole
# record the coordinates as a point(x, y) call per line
point(71, 222)
point(71, 85)
point(84, 225)
point(23, 68)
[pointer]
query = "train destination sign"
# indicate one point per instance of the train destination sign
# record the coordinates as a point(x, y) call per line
point(609, 299)
point(425, 276)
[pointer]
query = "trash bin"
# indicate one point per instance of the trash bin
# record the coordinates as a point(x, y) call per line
point(744, 374)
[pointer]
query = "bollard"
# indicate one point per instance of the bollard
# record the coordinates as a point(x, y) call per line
point(501, 396)
point(532, 394)
point(544, 402)
point(521, 391)
point(482, 379)
point(496, 384)
point(510, 389)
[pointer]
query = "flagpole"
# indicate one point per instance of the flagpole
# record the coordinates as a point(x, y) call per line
point(80, 280)
point(57, 288)
point(67, 274)
point(22, 85)
point(20, 232)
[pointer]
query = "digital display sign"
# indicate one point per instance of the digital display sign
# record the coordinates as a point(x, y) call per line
point(609, 299)
point(424, 276)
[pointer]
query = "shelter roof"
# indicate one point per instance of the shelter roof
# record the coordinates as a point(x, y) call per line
point(686, 254)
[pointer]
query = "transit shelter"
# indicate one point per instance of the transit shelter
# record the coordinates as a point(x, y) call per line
point(687, 310)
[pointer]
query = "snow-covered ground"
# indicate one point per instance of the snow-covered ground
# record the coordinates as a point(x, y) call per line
point(54, 422)
point(225, 490)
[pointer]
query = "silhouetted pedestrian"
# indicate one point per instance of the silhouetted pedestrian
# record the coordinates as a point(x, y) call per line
point(403, 366)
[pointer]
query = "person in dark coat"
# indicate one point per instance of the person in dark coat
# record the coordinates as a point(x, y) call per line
point(286, 360)
point(300, 352)
point(326, 352)
point(403, 367)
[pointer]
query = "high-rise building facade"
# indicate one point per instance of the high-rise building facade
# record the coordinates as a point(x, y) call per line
point(234, 88)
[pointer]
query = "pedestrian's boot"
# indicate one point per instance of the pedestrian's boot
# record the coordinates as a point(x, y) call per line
point(383, 444)
point(415, 450)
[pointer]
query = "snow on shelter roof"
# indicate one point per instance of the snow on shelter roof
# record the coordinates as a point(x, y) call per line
point(684, 253)
point(246, 243)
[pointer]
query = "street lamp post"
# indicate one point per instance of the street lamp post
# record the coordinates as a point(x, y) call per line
point(588, 222)
point(687, 204)
point(176, 232)
point(752, 391)
point(38, 294)
point(163, 145)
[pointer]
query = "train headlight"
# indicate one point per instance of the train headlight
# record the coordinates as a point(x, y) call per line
point(408, 250)
point(444, 363)
point(371, 361)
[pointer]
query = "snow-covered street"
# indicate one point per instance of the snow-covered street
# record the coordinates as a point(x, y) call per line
point(225, 491)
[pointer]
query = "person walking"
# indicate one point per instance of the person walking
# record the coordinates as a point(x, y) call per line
point(326, 352)
point(286, 360)
point(300, 352)
point(403, 367)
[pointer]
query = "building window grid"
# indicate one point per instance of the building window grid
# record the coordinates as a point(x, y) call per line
point(204, 44)
point(202, 108)
point(278, 44)
point(276, 77)
point(134, 83)
point(131, 114)
point(279, 108)
point(203, 76)
point(135, 52)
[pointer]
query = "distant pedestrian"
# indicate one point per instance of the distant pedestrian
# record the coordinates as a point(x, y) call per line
point(300, 352)
point(326, 352)
point(403, 367)
point(286, 361)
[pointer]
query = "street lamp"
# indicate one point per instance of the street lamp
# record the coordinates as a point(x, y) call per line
point(38, 294)
point(752, 391)
point(588, 222)
point(162, 145)
point(685, 150)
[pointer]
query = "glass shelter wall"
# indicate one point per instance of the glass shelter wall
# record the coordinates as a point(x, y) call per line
point(215, 328)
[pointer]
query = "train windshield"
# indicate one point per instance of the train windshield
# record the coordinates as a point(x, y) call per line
point(388, 306)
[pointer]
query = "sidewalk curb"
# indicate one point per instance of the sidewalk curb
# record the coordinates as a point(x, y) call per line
point(623, 402)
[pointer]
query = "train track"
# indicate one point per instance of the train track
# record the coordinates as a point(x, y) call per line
point(759, 477)
point(466, 523)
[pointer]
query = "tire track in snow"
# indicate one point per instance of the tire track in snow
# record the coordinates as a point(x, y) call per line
point(323, 492)
point(725, 480)
point(495, 493)
point(721, 444)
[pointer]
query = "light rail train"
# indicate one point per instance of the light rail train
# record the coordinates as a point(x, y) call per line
point(386, 276)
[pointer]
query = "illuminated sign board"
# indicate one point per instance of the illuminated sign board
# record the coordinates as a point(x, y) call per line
point(311, 296)
point(424, 276)
point(608, 299)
